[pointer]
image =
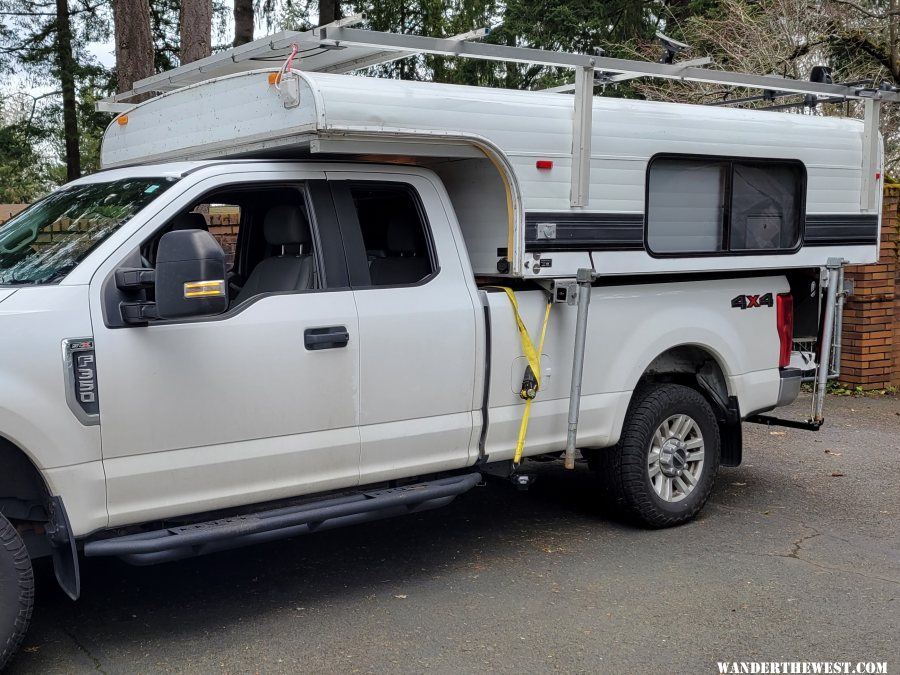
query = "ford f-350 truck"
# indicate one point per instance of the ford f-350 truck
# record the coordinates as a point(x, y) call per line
point(216, 345)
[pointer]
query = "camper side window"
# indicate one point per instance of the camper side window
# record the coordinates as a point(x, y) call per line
point(704, 206)
point(686, 206)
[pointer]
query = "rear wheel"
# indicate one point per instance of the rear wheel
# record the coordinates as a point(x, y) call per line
point(16, 591)
point(663, 468)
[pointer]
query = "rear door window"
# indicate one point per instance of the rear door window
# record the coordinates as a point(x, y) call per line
point(395, 235)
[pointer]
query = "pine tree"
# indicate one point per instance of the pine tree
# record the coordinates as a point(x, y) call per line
point(243, 22)
point(44, 41)
point(195, 24)
point(134, 44)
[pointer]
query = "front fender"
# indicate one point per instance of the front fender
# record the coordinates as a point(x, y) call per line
point(34, 414)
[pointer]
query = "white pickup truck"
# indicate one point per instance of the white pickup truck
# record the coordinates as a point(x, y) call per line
point(215, 353)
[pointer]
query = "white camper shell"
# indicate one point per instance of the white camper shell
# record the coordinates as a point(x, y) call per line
point(668, 187)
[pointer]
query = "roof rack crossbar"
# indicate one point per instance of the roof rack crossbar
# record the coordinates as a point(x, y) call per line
point(603, 79)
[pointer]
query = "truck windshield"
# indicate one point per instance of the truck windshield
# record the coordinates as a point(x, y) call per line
point(46, 241)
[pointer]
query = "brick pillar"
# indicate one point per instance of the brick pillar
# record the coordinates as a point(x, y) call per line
point(870, 348)
point(892, 226)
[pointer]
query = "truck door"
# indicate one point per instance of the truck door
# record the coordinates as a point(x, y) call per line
point(259, 403)
point(417, 325)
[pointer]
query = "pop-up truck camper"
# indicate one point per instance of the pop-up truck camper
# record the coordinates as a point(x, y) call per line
point(420, 286)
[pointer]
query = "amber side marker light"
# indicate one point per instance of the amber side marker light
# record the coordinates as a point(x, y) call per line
point(122, 120)
point(205, 289)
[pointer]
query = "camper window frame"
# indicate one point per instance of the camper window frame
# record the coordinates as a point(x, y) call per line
point(730, 160)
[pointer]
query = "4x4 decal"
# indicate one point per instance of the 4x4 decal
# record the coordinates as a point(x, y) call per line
point(750, 301)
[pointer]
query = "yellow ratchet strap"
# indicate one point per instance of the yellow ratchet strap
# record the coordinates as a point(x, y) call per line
point(534, 362)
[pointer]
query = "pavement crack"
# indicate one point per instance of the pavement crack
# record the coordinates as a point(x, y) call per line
point(87, 652)
point(797, 546)
point(830, 568)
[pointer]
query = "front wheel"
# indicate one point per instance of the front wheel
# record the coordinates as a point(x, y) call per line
point(663, 468)
point(16, 591)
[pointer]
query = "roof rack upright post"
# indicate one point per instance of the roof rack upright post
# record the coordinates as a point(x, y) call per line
point(871, 160)
point(581, 136)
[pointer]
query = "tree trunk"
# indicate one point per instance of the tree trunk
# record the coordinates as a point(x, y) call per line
point(134, 45)
point(243, 22)
point(196, 30)
point(66, 62)
point(329, 10)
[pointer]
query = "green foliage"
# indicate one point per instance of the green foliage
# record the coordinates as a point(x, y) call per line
point(164, 28)
point(28, 49)
point(22, 172)
point(838, 389)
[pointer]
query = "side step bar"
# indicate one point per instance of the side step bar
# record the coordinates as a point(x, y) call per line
point(174, 543)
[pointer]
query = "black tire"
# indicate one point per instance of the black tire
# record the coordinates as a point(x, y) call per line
point(624, 472)
point(16, 591)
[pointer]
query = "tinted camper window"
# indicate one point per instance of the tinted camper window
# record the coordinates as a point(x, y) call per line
point(717, 206)
point(686, 206)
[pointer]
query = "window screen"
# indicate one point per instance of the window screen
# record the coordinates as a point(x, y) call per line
point(765, 209)
point(713, 205)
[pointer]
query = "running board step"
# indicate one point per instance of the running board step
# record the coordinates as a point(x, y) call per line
point(174, 543)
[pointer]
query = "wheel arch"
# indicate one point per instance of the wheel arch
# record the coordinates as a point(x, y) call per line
point(39, 517)
point(23, 490)
point(704, 369)
point(690, 363)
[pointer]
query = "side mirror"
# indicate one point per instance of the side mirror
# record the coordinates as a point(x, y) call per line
point(190, 275)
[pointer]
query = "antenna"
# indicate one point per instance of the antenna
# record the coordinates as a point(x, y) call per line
point(671, 47)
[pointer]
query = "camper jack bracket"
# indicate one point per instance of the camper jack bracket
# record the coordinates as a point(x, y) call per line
point(768, 420)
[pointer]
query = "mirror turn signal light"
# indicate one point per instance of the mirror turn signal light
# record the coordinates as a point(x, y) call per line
point(205, 289)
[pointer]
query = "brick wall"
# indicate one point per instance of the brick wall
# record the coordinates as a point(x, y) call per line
point(892, 202)
point(870, 348)
point(7, 211)
point(224, 221)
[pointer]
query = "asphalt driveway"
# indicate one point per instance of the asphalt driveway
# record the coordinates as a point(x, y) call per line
point(796, 557)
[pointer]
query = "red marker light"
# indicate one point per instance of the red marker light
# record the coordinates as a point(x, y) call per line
point(878, 176)
point(784, 319)
point(544, 164)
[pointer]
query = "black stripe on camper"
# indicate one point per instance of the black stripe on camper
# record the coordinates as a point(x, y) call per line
point(586, 231)
point(625, 231)
point(837, 229)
